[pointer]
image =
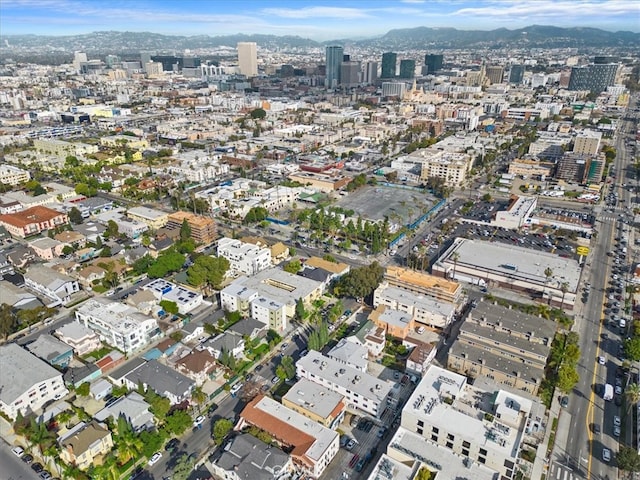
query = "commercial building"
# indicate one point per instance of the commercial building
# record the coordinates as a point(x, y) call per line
point(57, 287)
point(119, 325)
point(316, 402)
point(350, 74)
point(587, 142)
point(370, 73)
point(10, 175)
point(394, 89)
point(84, 442)
point(594, 78)
point(245, 457)
point(248, 58)
point(203, 229)
point(153, 218)
point(26, 382)
point(433, 63)
point(320, 181)
point(186, 300)
point(389, 63)
point(312, 445)
point(504, 345)
point(407, 69)
point(82, 339)
point(512, 267)
point(61, 148)
point(576, 168)
point(32, 221)
point(444, 411)
point(516, 74)
point(361, 390)
point(244, 258)
point(452, 167)
point(517, 214)
point(334, 58)
point(494, 73)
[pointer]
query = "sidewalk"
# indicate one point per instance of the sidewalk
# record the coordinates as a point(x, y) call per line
point(541, 463)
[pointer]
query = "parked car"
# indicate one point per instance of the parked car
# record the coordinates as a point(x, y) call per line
point(172, 445)
point(351, 444)
point(27, 459)
point(564, 402)
point(198, 421)
point(18, 451)
point(155, 458)
point(275, 380)
point(606, 455)
point(36, 467)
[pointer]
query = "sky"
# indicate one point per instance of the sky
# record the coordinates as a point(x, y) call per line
point(319, 20)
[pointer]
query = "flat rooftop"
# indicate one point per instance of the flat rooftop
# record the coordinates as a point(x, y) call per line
point(276, 284)
point(419, 301)
point(395, 275)
point(313, 397)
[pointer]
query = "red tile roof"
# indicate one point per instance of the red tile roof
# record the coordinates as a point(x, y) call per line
point(29, 216)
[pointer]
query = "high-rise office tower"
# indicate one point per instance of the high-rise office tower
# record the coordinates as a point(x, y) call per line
point(248, 58)
point(389, 61)
point(433, 63)
point(516, 74)
point(595, 78)
point(407, 69)
point(494, 73)
point(350, 74)
point(335, 56)
point(370, 73)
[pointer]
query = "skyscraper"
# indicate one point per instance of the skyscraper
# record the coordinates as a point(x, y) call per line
point(495, 73)
point(433, 63)
point(516, 75)
point(370, 73)
point(595, 78)
point(389, 61)
point(248, 58)
point(335, 56)
point(407, 69)
point(350, 74)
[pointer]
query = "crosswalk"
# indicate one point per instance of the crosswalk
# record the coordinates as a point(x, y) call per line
point(562, 472)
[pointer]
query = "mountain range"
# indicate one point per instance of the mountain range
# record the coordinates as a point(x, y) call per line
point(409, 38)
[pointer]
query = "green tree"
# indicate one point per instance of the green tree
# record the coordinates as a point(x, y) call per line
point(39, 436)
point(632, 348)
point(142, 265)
point(158, 405)
point(112, 229)
point(169, 306)
point(255, 215)
point(628, 459)
point(67, 250)
point(152, 442)
point(567, 378)
point(258, 114)
point(221, 429)
point(294, 266)
point(199, 397)
point(8, 320)
point(423, 474)
point(166, 263)
point(128, 444)
point(632, 395)
point(301, 313)
point(207, 272)
point(287, 368)
point(185, 231)
point(84, 389)
point(75, 216)
point(183, 468)
point(359, 282)
point(178, 422)
point(273, 337)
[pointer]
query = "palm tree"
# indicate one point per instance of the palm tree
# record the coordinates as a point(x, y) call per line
point(548, 273)
point(39, 437)
point(564, 288)
point(199, 397)
point(128, 444)
point(455, 256)
point(632, 395)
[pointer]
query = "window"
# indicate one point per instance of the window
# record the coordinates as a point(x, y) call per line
point(420, 423)
point(450, 437)
point(483, 452)
point(434, 438)
point(466, 444)
point(449, 444)
point(508, 464)
point(435, 430)
point(465, 452)
point(419, 431)
point(482, 460)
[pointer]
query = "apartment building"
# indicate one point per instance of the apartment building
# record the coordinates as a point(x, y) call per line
point(11, 175)
point(152, 217)
point(203, 229)
point(452, 167)
point(84, 442)
point(186, 300)
point(82, 339)
point(62, 148)
point(530, 168)
point(431, 286)
point(119, 325)
point(312, 445)
point(244, 258)
point(587, 142)
point(395, 323)
point(32, 221)
point(504, 345)
point(316, 402)
point(361, 390)
point(484, 427)
point(57, 287)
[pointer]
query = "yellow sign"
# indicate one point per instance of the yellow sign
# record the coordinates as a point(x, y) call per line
point(582, 250)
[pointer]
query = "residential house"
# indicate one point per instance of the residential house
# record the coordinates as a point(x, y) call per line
point(100, 389)
point(84, 443)
point(133, 408)
point(229, 342)
point(32, 221)
point(162, 379)
point(90, 275)
point(18, 298)
point(46, 248)
point(198, 365)
point(51, 350)
point(82, 339)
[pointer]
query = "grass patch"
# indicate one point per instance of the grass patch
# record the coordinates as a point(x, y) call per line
point(99, 288)
point(552, 436)
point(98, 354)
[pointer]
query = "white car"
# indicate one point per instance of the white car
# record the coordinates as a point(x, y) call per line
point(618, 390)
point(155, 458)
point(18, 451)
point(616, 431)
point(606, 454)
point(198, 421)
point(616, 421)
point(601, 360)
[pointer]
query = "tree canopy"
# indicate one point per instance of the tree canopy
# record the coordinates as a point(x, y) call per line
point(166, 263)
point(207, 271)
point(221, 429)
point(359, 282)
point(287, 368)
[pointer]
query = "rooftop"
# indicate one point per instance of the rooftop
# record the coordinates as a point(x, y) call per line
point(48, 347)
point(37, 214)
point(251, 459)
point(313, 397)
point(395, 274)
point(418, 300)
point(121, 318)
point(146, 213)
point(333, 267)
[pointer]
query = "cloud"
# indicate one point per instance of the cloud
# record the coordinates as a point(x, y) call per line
point(317, 12)
point(546, 8)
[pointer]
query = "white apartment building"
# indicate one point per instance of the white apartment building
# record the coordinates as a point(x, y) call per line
point(443, 411)
point(82, 339)
point(186, 300)
point(361, 390)
point(26, 382)
point(55, 286)
point(119, 325)
point(452, 167)
point(10, 175)
point(62, 148)
point(244, 258)
point(269, 312)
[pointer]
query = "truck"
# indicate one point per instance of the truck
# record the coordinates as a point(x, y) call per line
point(608, 392)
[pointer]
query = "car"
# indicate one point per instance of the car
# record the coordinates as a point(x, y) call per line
point(27, 459)
point(284, 346)
point(601, 360)
point(420, 330)
point(265, 387)
point(351, 444)
point(616, 431)
point(360, 465)
point(304, 353)
point(396, 375)
point(381, 432)
point(259, 368)
point(596, 428)
point(618, 390)
point(616, 421)
point(248, 377)
point(199, 421)
point(18, 451)
point(36, 467)
point(172, 445)
point(564, 402)
point(155, 458)
point(606, 455)
point(275, 380)
point(44, 475)
point(58, 395)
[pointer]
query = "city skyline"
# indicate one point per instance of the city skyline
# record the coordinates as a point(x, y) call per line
point(317, 20)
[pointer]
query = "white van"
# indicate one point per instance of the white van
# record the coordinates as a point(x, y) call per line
point(622, 323)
